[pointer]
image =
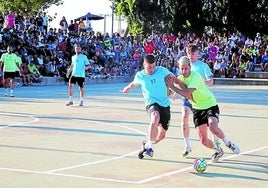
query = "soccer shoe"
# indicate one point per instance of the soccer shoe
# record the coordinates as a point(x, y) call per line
point(217, 155)
point(143, 149)
point(186, 152)
point(149, 152)
point(6, 93)
point(81, 103)
point(234, 148)
point(69, 104)
point(11, 94)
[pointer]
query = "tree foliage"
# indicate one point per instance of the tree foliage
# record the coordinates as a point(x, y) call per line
point(30, 7)
point(246, 16)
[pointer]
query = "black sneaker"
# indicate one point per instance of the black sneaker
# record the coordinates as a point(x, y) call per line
point(69, 104)
point(216, 156)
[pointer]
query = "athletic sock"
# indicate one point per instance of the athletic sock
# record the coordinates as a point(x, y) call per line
point(187, 143)
point(70, 98)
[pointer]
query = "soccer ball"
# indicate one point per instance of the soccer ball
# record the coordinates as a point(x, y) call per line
point(200, 164)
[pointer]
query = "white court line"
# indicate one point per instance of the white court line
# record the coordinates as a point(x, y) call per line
point(127, 181)
point(53, 172)
point(104, 160)
point(92, 163)
point(20, 123)
point(115, 125)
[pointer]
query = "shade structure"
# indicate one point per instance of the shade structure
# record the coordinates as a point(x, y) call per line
point(90, 17)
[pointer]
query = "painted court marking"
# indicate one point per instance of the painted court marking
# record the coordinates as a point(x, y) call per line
point(55, 172)
point(127, 181)
point(20, 123)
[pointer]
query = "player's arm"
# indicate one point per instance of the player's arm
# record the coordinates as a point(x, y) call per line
point(1, 64)
point(177, 86)
point(128, 87)
point(209, 81)
point(69, 71)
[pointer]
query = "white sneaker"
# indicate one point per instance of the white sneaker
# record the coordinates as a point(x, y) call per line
point(81, 103)
point(11, 94)
point(234, 148)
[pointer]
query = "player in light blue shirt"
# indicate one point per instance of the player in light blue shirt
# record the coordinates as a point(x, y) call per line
point(204, 70)
point(77, 71)
point(156, 99)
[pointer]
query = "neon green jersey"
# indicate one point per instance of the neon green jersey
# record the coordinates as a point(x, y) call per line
point(19, 61)
point(9, 61)
point(202, 96)
point(33, 69)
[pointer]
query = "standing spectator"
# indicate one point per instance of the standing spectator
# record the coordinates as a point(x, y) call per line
point(45, 23)
point(71, 28)
point(81, 26)
point(77, 73)
point(10, 20)
point(10, 66)
point(39, 22)
point(63, 23)
point(88, 25)
point(2, 20)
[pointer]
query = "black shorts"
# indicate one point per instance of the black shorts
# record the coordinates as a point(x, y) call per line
point(79, 80)
point(11, 75)
point(164, 113)
point(17, 74)
point(200, 117)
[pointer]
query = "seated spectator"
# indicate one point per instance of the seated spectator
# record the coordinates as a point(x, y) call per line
point(216, 68)
point(241, 69)
point(63, 71)
point(264, 61)
point(25, 73)
point(34, 72)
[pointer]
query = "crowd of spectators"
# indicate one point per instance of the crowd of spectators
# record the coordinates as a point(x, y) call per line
point(50, 49)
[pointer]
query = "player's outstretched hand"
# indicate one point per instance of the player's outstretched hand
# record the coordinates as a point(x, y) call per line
point(126, 89)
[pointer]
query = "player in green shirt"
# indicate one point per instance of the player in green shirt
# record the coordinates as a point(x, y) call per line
point(205, 108)
point(9, 63)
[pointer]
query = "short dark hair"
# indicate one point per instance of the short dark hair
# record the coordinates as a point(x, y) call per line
point(192, 48)
point(149, 58)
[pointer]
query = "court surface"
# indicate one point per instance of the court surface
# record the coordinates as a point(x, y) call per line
point(44, 144)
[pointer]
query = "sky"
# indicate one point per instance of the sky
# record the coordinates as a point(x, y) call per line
point(72, 9)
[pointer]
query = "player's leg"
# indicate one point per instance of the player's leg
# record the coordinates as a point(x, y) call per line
point(12, 85)
point(153, 112)
point(81, 84)
point(6, 84)
point(70, 90)
point(185, 127)
point(163, 125)
point(213, 119)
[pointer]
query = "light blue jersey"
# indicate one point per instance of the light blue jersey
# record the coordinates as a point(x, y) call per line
point(202, 68)
point(153, 86)
point(79, 61)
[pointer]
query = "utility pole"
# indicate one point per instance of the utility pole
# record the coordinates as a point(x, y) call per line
point(112, 17)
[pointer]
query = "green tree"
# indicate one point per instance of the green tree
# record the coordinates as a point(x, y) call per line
point(27, 6)
point(246, 16)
